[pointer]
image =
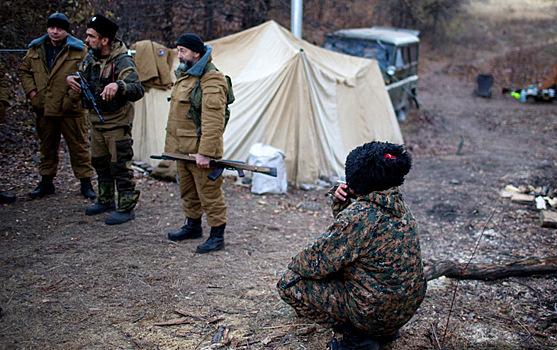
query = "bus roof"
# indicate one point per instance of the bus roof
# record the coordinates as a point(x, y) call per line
point(386, 35)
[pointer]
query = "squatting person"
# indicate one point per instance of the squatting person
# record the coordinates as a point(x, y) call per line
point(200, 134)
point(113, 78)
point(57, 108)
point(364, 276)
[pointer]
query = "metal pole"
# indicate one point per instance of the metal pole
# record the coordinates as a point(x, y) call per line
point(296, 16)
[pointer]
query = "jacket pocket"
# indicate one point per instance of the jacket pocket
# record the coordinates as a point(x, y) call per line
point(188, 141)
point(37, 102)
point(71, 104)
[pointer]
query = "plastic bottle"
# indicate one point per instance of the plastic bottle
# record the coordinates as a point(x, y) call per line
point(523, 95)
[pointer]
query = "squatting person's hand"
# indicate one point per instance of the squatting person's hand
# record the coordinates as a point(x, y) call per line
point(343, 192)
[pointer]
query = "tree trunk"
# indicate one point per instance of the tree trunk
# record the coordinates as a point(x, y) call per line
point(521, 268)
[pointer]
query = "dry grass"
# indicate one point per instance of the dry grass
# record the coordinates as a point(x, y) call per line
point(502, 11)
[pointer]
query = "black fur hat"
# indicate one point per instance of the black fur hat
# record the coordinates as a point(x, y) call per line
point(103, 26)
point(376, 166)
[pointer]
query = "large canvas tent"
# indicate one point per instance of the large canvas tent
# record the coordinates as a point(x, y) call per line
point(314, 104)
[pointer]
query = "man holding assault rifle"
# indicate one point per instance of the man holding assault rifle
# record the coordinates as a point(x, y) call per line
point(109, 83)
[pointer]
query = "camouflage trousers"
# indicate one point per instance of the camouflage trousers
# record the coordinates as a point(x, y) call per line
point(323, 301)
point(111, 156)
point(328, 302)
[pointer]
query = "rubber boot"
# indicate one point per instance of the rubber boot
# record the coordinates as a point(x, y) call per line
point(214, 242)
point(124, 213)
point(45, 188)
point(6, 198)
point(191, 230)
point(87, 188)
point(105, 202)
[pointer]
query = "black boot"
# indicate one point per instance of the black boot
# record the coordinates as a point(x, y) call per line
point(124, 213)
point(332, 345)
point(99, 208)
point(87, 188)
point(45, 188)
point(6, 198)
point(105, 203)
point(191, 230)
point(356, 341)
point(214, 242)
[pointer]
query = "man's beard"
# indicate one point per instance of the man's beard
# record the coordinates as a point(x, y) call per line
point(95, 50)
point(185, 64)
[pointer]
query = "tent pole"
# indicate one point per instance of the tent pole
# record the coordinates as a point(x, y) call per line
point(296, 16)
point(314, 93)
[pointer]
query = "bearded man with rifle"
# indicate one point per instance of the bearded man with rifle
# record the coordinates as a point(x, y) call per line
point(199, 194)
point(113, 79)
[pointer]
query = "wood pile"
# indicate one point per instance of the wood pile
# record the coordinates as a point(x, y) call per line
point(543, 199)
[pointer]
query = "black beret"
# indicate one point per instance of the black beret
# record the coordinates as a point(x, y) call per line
point(103, 26)
point(192, 42)
point(376, 166)
point(58, 20)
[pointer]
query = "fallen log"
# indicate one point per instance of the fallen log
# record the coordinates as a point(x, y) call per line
point(489, 272)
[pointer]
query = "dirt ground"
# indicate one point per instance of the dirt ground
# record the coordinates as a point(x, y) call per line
point(68, 281)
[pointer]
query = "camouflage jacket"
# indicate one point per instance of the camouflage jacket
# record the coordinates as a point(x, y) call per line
point(118, 67)
point(373, 247)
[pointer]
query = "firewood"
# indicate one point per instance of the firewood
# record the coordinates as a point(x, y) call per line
point(521, 268)
point(523, 198)
point(548, 218)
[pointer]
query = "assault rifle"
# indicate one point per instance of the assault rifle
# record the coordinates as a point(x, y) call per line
point(89, 97)
point(220, 165)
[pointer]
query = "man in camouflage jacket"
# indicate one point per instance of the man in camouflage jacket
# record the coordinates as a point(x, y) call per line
point(364, 276)
point(114, 81)
point(198, 193)
point(43, 71)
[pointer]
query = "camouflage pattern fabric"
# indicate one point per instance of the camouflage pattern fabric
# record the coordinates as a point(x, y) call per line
point(365, 271)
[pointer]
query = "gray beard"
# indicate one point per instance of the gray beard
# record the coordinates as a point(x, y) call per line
point(185, 65)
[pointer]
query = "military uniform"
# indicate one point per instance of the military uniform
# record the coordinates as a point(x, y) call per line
point(365, 271)
point(58, 108)
point(199, 194)
point(111, 141)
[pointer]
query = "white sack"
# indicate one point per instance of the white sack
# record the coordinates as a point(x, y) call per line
point(268, 156)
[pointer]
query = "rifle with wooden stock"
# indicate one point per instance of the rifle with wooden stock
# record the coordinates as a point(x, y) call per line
point(220, 164)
